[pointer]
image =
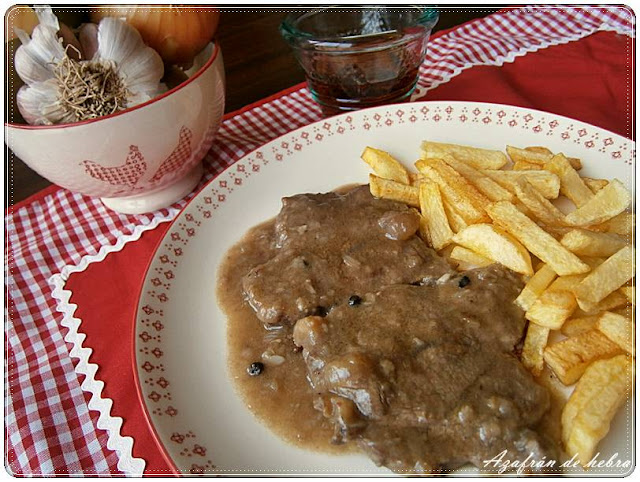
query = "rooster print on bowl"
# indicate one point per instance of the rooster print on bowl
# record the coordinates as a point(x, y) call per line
point(134, 169)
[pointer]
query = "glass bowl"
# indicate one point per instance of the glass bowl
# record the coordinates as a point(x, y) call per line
point(360, 57)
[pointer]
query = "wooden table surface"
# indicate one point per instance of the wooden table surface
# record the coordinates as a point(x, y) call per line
point(257, 61)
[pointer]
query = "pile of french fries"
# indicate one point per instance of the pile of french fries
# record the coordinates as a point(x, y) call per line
point(481, 206)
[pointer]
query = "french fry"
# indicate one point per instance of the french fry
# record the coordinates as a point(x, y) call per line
point(571, 184)
point(495, 244)
point(595, 184)
point(523, 155)
point(556, 231)
point(618, 329)
point(604, 205)
point(545, 182)
point(423, 229)
point(520, 206)
point(582, 324)
point(587, 415)
point(593, 261)
point(569, 283)
point(385, 166)
point(415, 178)
point(395, 191)
point(454, 190)
point(552, 308)
point(594, 380)
point(570, 357)
point(480, 181)
point(610, 302)
point(622, 224)
point(606, 278)
point(537, 204)
point(535, 239)
point(588, 243)
point(626, 311)
point(469, 257)
point(537, 155)
point(575, 163)
point(525, 166)
point(456, 221)
point(438, 231)
point(628, 292)
point(457, 182)
point(536, 285)
point(539, 149)
point(474, 156)
point(566, 283)
point(533, 348)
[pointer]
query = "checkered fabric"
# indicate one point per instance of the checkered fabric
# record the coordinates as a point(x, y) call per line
point(504, 36)
point(49, 427)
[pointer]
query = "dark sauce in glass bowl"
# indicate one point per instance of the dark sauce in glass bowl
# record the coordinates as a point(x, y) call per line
point(356, 58)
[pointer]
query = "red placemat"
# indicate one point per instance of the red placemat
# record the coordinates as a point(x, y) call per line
point(60, 420)
point(588, 80)
point(113, 284)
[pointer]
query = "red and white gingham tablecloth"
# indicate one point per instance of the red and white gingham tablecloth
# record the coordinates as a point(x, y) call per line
point(56, 422)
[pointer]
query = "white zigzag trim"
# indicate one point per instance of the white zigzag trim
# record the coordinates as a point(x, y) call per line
point(129, 465)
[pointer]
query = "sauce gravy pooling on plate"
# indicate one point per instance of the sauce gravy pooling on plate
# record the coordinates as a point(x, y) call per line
point(279, 396)
point(345, 329)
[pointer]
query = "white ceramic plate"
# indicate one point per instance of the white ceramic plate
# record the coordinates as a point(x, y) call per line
point(201, 424)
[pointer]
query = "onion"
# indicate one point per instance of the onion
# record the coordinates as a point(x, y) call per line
point(270, 358)
point(177, 33)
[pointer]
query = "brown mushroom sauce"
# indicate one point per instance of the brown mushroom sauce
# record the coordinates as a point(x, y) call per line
point(370, 340)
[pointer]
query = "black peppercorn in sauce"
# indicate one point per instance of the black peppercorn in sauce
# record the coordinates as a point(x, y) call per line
point(436, 381)
point(255, 369)
point(280, 397)
point(464, 281)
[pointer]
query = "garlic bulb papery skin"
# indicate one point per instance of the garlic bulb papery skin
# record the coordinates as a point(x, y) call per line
point(36, 54)
point(121, 56)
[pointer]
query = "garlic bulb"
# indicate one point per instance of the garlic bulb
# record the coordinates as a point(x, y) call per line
point(177, 33)
point(22, 17)
point(107, 70)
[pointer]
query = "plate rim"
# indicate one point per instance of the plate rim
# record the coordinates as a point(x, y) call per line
point(134, 336)
point(141, 399)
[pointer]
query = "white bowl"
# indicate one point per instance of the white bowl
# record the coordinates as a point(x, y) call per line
point(137, 160)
